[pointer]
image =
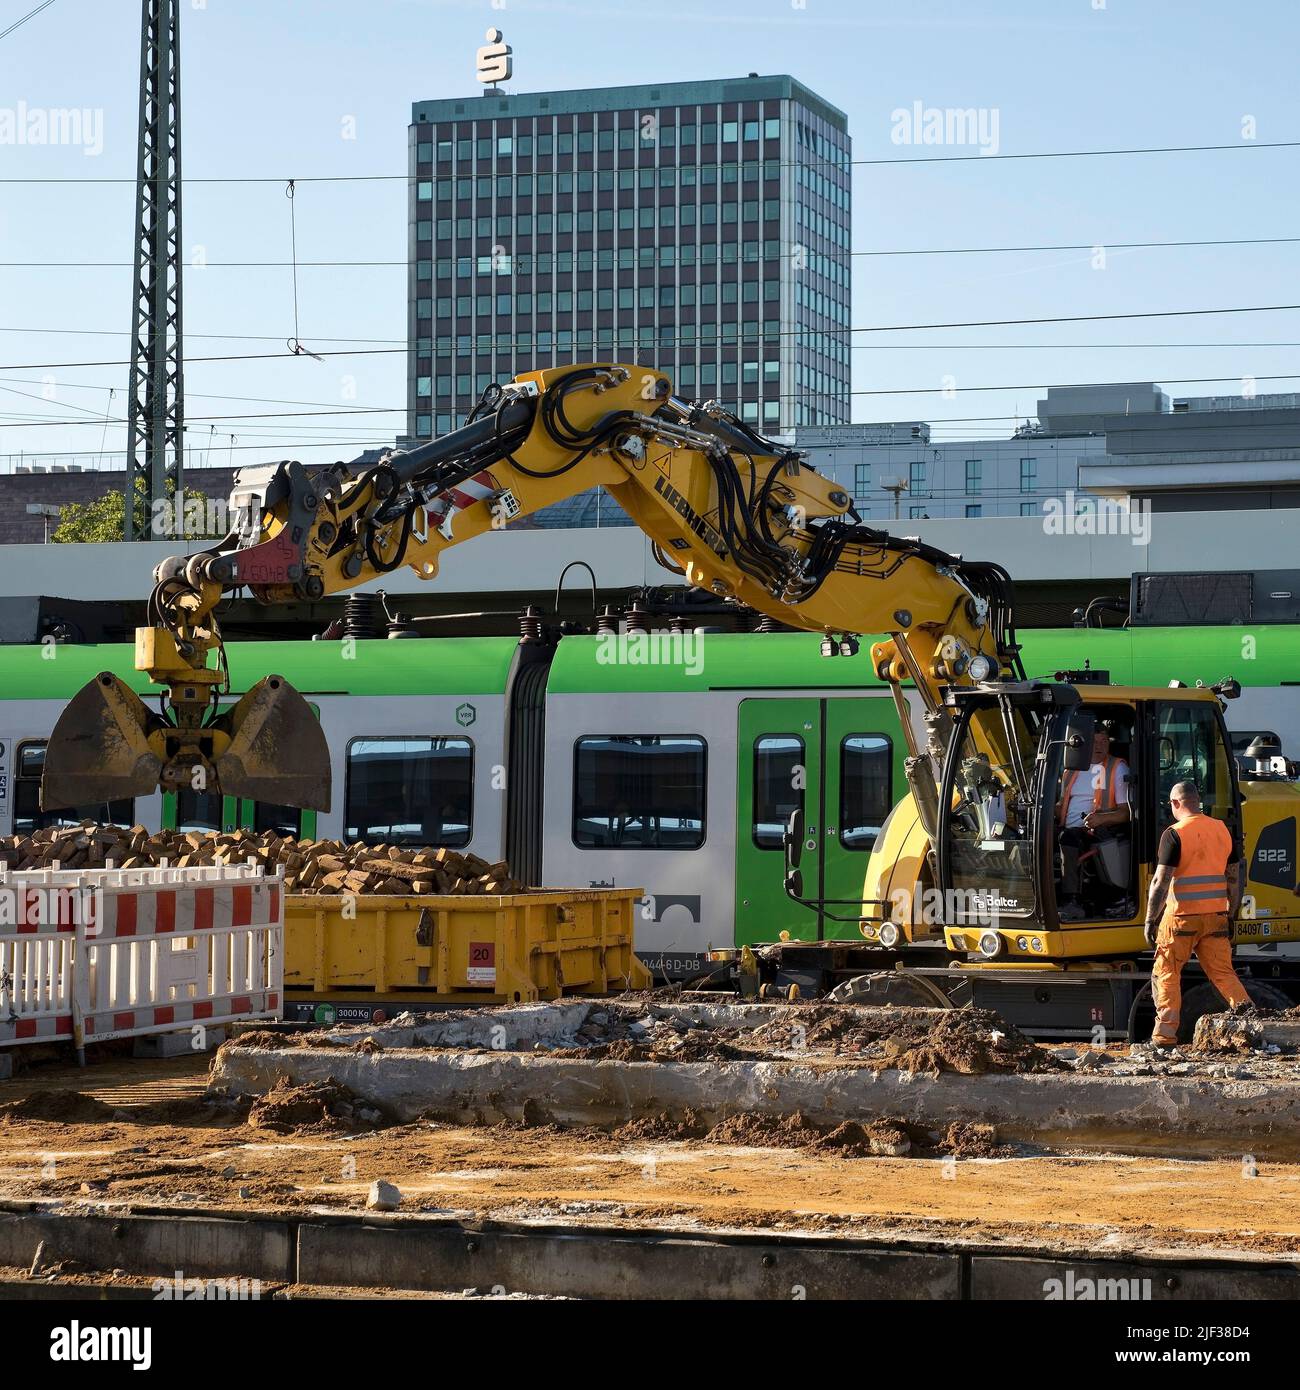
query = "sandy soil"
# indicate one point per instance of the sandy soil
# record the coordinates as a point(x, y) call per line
point(147, 1138)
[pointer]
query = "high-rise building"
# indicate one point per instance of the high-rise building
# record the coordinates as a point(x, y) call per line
point(698, 227)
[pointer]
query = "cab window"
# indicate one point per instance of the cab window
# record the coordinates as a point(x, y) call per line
point(1190, 748)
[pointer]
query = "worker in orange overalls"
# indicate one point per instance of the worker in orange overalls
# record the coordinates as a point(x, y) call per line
point(1194, 896)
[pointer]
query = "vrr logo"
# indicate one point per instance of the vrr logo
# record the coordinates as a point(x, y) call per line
point(466, 714)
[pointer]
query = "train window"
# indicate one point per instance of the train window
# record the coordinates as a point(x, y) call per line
point(411, 791)
point(198, 810)
point(866, 789)
point(779, 782)
point(284, 820)
point(28, 815)
point(639, 791)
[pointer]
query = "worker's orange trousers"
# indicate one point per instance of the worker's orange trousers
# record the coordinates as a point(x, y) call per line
point(1206, 934)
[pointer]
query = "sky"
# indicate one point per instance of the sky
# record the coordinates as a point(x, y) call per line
point(303, 89)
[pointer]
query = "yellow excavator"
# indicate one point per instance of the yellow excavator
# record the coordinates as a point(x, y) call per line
point(970, 858)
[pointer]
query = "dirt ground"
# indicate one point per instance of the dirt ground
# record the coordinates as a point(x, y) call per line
point(144, 1135)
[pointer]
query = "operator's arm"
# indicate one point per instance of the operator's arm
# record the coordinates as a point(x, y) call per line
point(1167, 857)
point(1236, 882)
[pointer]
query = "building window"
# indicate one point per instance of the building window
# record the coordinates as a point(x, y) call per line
point(639, 791)
point(1028, 475)
point(974, 475)
point(866, 789)
point(28, 813)
point(861, 479)
point(410, 791)
point(916, 479)
point(975, 510)
point(779, 781)
point(1029, 509)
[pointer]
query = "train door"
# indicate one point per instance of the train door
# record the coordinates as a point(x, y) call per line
point(834, 758)
point(200, 810)
point(192, 810)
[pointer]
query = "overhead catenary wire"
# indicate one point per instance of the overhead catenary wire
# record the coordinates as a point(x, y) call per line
point(31, 14)
point(813, 161)
point(1100, 244)
point(39, 423)
point(759, 336)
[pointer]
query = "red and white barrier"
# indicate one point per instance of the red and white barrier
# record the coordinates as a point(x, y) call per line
point(113, 953)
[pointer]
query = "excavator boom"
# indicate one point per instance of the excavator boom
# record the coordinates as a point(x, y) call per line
point(735, 514)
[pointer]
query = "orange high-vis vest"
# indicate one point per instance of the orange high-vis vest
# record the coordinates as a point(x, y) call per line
point(1200, 881)
point(1103, 794)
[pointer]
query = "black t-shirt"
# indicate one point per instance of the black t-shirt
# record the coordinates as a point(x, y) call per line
point(1171, 849)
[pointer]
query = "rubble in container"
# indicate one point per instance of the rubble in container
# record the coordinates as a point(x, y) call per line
point(310, 866)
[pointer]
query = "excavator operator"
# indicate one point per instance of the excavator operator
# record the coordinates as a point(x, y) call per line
point(1091, 802)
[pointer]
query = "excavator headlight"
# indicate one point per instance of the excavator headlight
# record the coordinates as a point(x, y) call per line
point(981, 667)
point(889, 935)
point(990, 945)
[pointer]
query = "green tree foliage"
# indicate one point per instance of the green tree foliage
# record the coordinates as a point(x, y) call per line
point(102, 519)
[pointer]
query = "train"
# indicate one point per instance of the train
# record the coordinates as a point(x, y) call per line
point(664, 761)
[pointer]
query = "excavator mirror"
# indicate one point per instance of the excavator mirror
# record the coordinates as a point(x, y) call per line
point(792, 841)
point(794, 883)
point(1079, 731)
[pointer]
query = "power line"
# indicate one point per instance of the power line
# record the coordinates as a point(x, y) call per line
point(30, 423)
point(760, 336)
point(865, 347)
point(705, 164)
point(923, 251)
point(31, 14)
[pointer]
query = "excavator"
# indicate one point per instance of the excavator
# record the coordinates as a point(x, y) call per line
point(968, 861)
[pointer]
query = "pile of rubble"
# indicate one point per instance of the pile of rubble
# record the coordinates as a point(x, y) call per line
point(310, 866)
point(967, 1041)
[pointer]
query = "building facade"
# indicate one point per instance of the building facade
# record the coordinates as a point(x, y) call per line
point(1128, 440)
point(698, 227)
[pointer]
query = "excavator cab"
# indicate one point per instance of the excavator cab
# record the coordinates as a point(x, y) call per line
point(1022, 877)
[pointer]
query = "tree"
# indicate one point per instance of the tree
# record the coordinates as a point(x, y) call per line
point(102, 519)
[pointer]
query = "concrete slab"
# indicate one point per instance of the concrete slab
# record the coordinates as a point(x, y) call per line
point(1055, 1108)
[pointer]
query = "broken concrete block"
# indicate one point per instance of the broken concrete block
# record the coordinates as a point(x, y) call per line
point(383, 1196)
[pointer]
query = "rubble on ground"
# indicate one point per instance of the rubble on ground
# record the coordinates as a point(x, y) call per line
point(321, 1106)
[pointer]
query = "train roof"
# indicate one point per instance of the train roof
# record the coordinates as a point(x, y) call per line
point(432, 666)
point(1260, 656)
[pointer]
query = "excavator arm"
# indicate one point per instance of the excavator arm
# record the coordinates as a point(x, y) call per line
point(736, 514)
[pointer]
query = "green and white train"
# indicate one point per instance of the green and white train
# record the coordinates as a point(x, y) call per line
point(666, 763)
